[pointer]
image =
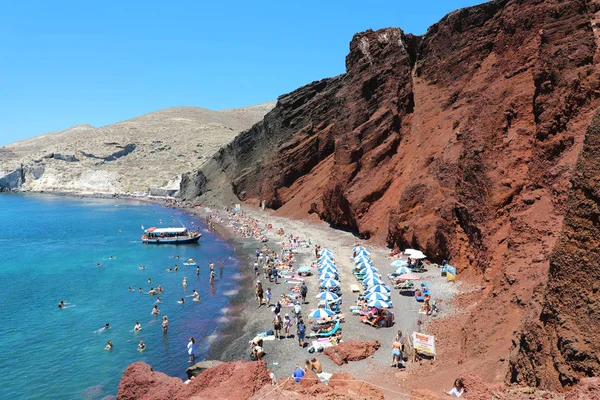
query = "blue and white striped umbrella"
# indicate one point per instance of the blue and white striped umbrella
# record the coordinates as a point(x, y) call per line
point(330, 283)
point(327, 275)
point(326, 257)
point(326, 251)
point(377, 296)
point(321, 313)
point(362, 264)
point(327, 296)
point(372, 281)
point(363, 252)
point(366, 270)
point(326, 262)
point(377, 289)
point(358, 248)
point(402, 270)
point(378, 304)
point(399, 263)
point(329, 268)
point(363, 259)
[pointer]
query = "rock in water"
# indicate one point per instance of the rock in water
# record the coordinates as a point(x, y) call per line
point(198, 368)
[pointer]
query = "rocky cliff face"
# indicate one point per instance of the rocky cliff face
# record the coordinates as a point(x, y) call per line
point(461, 142)
point(150, 151)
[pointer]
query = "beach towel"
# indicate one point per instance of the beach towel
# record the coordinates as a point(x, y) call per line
point(324, 377)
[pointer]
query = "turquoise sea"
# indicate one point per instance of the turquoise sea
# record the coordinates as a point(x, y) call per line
point(49, 250)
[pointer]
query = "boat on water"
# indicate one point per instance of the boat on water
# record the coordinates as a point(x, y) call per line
point(170, 236)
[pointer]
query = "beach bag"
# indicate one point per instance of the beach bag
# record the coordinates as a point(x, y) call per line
point(270, 332)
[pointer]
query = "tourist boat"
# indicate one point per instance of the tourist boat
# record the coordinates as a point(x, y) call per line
point(170, 236)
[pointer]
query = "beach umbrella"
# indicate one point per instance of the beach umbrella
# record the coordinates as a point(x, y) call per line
point(399, 263)
point(321, 313)
point(377, 289)
point(330, 283)
point(326, 257)
point(358, 248)
point(377, 296)
point(362, 265)
point(304, 269)
point(362, 258)
point(363, 252)
point(368, 269)
point(329, 268)
point(378, 304)
point(418, 256)
point(326, 251)
point(409, 277)
point(326, 262)
point(403, 270)
point(327, 275)
point(411, 251)
point(327, 296)
point(372, 281)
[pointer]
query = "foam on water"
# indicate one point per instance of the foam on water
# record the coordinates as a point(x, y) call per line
point(50, 254)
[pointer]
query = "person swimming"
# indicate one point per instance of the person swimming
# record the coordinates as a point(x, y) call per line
point(141, 346)
point(184, 283)
point(137, 327)
point(196, 295)
point(149, 280)
point(155, 310)
point(61, 304)
point(140, 290)
point(212, 275)
point(142, 267)
point(197, 270)
point(105, 327)
point(130, 289)
point(152, 291)
point(176, 267)
point(109, 346)
point(182, 301)
point(158, 299)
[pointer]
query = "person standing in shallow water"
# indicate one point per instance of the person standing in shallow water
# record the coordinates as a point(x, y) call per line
point(165, 324)
point(192, 349)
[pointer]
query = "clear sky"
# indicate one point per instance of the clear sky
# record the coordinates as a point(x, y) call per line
point(69, 62)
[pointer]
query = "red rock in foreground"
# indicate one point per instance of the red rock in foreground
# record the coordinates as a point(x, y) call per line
point(353, 350)
point(237, 380)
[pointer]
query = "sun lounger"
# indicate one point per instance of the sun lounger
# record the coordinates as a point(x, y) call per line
point(354, 288)
point(329, 333)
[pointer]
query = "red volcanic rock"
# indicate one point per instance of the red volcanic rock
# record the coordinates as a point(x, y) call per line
point(461, 142)
point(140, 382)
point(586, 389)
point(340, 387)
point(353, 350)
point(236, 381)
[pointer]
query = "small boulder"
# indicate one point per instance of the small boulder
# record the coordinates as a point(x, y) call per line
point(353, 350)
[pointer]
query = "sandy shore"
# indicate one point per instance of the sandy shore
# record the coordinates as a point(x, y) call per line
point(247, 319)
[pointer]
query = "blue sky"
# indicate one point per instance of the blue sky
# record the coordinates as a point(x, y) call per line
point(68, 62)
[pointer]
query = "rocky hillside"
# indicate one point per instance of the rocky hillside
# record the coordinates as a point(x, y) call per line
point(150, 151)
point(461, 142)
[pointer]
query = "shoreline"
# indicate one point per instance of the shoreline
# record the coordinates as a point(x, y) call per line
point(246, 319)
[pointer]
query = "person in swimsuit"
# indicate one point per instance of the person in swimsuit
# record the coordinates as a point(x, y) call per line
point(212, 275)
point(61, 304)
point(155, 310)
point(137, 327)
point(184, 283)
point(196, 295)
point(165, 324)
point(197, 270)
point(109, 345)
point(277, 325)
point(182, 301)
point(287, 324)
point(396, 353)
point(141, 346)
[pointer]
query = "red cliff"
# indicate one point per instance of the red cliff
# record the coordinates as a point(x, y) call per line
point(462, 142)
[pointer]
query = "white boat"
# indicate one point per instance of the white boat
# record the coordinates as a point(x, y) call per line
point(170, 236)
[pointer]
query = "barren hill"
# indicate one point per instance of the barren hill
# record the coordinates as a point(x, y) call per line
point(152, 150)
point(462, 142)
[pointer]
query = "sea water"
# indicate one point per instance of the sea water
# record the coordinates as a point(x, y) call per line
point(49, 250)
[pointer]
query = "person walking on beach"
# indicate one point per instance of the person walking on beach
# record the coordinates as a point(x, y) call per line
point(256, 268)
point(192, 349)
point(277, 326)
point(301, 332)
point(287, 324)
point(165, 324)
point(268, 297)
point(259, 293)
point(297, 310)
point(275, 272)
point(303, 292)
point(396, 353)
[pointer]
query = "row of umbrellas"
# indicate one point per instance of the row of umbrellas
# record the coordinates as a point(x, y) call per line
point(377, 293)
point(327, 273)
